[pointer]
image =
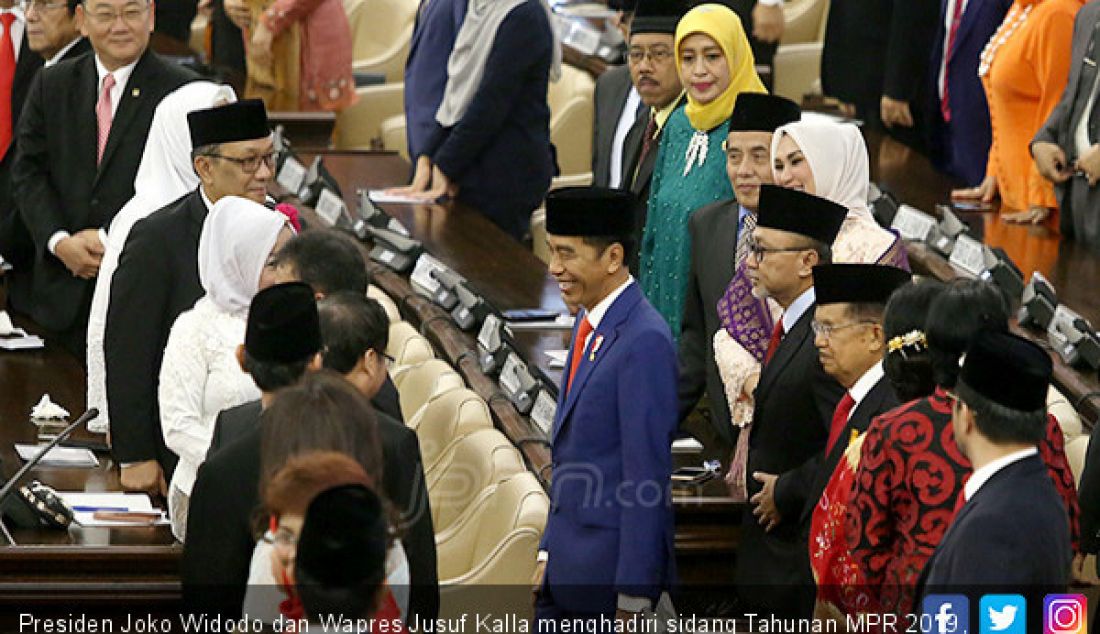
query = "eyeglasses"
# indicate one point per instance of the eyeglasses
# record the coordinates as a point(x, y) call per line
point(758, 252)
point(655, 55)
point(40, 6)
point(130, 14)
point(251, 164)
point(826, 330)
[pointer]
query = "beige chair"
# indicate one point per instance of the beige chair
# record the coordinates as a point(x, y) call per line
point(407, 346)
point(467, 467)
point(1076, 450)
point(538, 235)
point(388, 305)
point(417, 384)
point(571, 103)
point(444, 420)
point(381, 34)
point(804, 21)
point(496, 540)
point(1068, 418)
point(797, 70)
point(393, 135)
point(359, 126)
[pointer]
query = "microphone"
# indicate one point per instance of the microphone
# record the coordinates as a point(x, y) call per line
point(6, 490)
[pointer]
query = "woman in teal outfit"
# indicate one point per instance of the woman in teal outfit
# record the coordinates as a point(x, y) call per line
point(716, 64)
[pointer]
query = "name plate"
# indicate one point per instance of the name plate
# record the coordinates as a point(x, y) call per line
point(385, 255)
point(509, 375)
point(544, 411)
point(913, 224)
point(422, 277)
point(329, 207)
point(489, 335)
point(463, 317)
point(291, 175)
point(969, 255)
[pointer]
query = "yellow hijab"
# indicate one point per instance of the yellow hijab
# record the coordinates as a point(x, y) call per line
point(724, 27)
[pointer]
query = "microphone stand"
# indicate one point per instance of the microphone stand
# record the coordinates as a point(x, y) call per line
point(6, 490)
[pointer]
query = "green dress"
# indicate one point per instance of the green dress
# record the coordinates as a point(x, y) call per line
point(666, 243)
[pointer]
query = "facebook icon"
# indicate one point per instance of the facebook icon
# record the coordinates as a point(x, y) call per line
point(945, 614)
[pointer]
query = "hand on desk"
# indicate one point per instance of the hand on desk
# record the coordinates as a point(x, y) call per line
point(1033, 216)
point(422, 177)
point(429, 183)
point(144, 476)
point(767, 514)
point(985, 192)
point(81, 253)
point(1051, 162)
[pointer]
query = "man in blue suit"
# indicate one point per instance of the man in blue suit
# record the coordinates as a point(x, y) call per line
point(607, 551)
point(959, 121)
point(1013, 532)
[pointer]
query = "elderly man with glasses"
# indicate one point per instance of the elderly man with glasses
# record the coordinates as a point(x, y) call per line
point(79, 143)
point(158, 278)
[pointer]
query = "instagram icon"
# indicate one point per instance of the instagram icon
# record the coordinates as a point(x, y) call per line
point(1065, 614)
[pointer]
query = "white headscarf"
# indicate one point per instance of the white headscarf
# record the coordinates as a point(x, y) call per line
point(165, 174)
point(236, 241)
point(837, 156)
point(474, 42)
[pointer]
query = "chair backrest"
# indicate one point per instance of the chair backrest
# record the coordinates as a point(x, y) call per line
point(497, 540)
point(468, 467)
point(378, 25)
point(444, 420)
point(381, 297)
point(417, 384)
point(1068, 418)
point(1076, 450)
point(804, 21)
point(571, 101)
point(407, 346)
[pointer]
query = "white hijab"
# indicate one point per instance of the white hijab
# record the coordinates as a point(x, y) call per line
point(165, 174)
point(470, 54)
point(236, 241)
point(837, 156)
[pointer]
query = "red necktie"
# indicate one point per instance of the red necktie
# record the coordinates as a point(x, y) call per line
point(773, 343)
point(840, 420)
point(7, 75)
point(956, 19)
point(578, 349)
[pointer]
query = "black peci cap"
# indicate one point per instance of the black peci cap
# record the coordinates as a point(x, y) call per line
point(239, 121)
point(798, 212)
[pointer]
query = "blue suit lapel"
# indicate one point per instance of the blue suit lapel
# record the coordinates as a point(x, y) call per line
point(608, 331)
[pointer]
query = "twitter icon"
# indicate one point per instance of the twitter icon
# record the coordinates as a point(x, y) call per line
point(1003, 614)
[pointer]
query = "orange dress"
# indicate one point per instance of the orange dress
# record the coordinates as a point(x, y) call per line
point(1028, 65)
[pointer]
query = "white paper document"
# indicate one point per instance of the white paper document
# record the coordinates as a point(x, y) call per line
point(380, 196)
point(85, 506)
point(557, 358)
point(59, 456)
point(563, 322)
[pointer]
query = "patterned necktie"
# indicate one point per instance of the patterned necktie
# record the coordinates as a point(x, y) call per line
point(7, 76)
point(647, 138)
point(744, 238)
point(840, 420)
point(103, 116)
point(578, 350)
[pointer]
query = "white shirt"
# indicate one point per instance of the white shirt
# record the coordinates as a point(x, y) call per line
point(122, 75)
point(861, 387)
point(797, 308)
point(626, 121)
point(948, 18)
point(1081, 133)
point(981, 476)
point(60, 54)
point(200, 377)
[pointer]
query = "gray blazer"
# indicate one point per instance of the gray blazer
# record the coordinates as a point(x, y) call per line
point(1079, 203)
point(612, 89)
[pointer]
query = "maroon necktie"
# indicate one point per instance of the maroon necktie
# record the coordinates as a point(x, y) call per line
point(840, 420)
point(773, 343)
point(7, 76)
point(647, 138)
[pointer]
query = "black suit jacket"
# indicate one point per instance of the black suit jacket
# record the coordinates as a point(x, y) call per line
point(226, 495)
point(55, 176)
point(26, 66)
point(878, 400)
point(1013, 534)
point(713, 242)
point(612, 89)
point(156, 280)
point(795, 400)
point(1088, 492)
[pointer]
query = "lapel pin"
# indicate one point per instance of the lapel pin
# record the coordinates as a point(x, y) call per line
point(136, 92)
point(595, 347)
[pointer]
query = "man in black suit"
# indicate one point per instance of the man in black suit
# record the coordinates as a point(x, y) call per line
point(794, 399)
point(716, 230)
point(1012, 532)
point(617, 106)
point(652, 63)
point(13, 236)
point(158, 271)
point(354, 332)
point(80, 140)
point(851, 303)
